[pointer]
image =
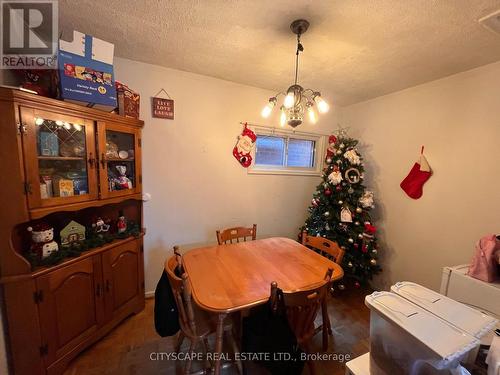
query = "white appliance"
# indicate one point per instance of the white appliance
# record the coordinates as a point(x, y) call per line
point(406, 339)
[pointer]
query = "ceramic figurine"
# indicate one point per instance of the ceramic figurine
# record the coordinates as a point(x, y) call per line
point(121, 225)
point(42, 240)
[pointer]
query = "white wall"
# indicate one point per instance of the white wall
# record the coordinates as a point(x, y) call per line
point(458, 120)
point(188, 168)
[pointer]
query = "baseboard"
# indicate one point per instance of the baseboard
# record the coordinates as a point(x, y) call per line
point(150, 294)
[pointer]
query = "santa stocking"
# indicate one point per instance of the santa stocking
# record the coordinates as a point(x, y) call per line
point(242, 150)
point(418, 176)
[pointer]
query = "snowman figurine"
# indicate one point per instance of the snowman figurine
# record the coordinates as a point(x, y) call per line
point(42, 240)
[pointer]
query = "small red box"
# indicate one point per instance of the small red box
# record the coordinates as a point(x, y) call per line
point(128, 101)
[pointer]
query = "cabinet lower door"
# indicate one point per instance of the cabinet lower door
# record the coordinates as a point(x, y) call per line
point(70, 306)
point(122, 279)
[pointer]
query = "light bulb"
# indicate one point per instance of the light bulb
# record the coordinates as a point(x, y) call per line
point(312, 114)
point(67, 125)
point(323, 106)
point(289, 100)
point(77, 127)
point(266, 111)
point(283, 117)
point(59, 123)
point(39, 121)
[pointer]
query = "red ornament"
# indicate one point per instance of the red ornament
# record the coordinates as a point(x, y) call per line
point(356, 245)
point(338, 188)
point(364, 248)
point(370, 229)
point(357, 284)
point(328, 192)
point(314, 202)
point(332, 139)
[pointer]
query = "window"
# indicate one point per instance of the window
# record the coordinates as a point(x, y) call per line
point(283, 152)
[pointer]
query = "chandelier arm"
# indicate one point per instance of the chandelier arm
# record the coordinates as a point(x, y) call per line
point(297, 59)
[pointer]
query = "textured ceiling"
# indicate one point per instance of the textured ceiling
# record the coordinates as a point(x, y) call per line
point(354, 50)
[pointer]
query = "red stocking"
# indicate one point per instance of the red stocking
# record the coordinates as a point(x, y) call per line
point(418, 176)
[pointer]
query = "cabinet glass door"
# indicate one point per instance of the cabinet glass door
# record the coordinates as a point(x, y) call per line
point(60, 154)
point(119, 159)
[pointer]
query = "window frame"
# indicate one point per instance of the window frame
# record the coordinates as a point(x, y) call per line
point(319, 148)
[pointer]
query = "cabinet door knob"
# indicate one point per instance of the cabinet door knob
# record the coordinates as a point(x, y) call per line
point(91, 160)
point(103, 161)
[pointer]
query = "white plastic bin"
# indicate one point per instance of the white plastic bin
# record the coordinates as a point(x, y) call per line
point(470, 320)
point(405, 339)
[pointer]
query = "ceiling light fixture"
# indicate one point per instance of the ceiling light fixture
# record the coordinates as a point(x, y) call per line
point(297, 99)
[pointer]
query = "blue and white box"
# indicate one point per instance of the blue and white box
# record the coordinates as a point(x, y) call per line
point(86, 71)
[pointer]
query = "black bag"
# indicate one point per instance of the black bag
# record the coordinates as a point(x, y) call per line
point(166, 313)
point(265, 331)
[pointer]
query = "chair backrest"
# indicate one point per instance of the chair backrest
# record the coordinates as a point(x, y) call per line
point(302, 307)
point(326, 247)
point(182, 293)
point(236, 234)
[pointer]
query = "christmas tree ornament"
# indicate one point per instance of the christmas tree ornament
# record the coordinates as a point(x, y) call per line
point(338, 188)
point(314, 202)
point(364, 248)
point(359, 210)
point(373, 262)
point(350, 190)
point(338, 161)
point(327, 227)
point(342, 145)
point(341, 287)
point(345, 215)
point(352, 175)
point(329, 160)
point(335, 177)
point(328, 192)
point(340, 202)
point(338, 152)
point(327, 214)
point(242, 150)
point(417, 177)
point(350, 240)
point(356, 223)
point(360, 236)
point(366, 200)
point(352, 157)
point(357, 284)
point(374, 251)
point(356, 245)
point(349, 265)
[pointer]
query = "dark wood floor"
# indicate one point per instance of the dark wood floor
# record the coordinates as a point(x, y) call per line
point(127, 349)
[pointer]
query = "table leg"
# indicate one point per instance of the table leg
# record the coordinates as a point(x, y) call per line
point(218, 342)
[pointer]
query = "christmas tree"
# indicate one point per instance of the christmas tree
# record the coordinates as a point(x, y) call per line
point(340, 209)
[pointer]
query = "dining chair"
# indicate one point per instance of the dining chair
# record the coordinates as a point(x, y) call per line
point(196, 324)
point(331, 250)
point(236, 234)
point(301, 309)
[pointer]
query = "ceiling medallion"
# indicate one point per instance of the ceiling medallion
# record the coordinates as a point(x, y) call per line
point(297, 100)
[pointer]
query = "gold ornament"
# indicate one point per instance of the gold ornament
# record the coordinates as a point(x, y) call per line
point(359, 210)
point(373, 262)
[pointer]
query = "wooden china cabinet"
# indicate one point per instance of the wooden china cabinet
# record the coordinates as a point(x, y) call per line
point(63, 162)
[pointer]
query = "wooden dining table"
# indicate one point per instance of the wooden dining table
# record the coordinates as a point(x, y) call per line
point(234, 277)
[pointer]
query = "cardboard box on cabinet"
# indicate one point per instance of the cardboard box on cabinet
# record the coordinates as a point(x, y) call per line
point(86, 71)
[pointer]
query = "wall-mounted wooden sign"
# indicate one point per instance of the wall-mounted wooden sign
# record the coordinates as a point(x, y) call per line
point(163, 108)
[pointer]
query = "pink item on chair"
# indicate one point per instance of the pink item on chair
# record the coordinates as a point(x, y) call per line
point(484, 262)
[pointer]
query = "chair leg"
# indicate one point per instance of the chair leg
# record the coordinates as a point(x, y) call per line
point(180, 339)
point(205, 349)
point(234, 345)
point(192, 346)
point(327, 329)
point(310, 364)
